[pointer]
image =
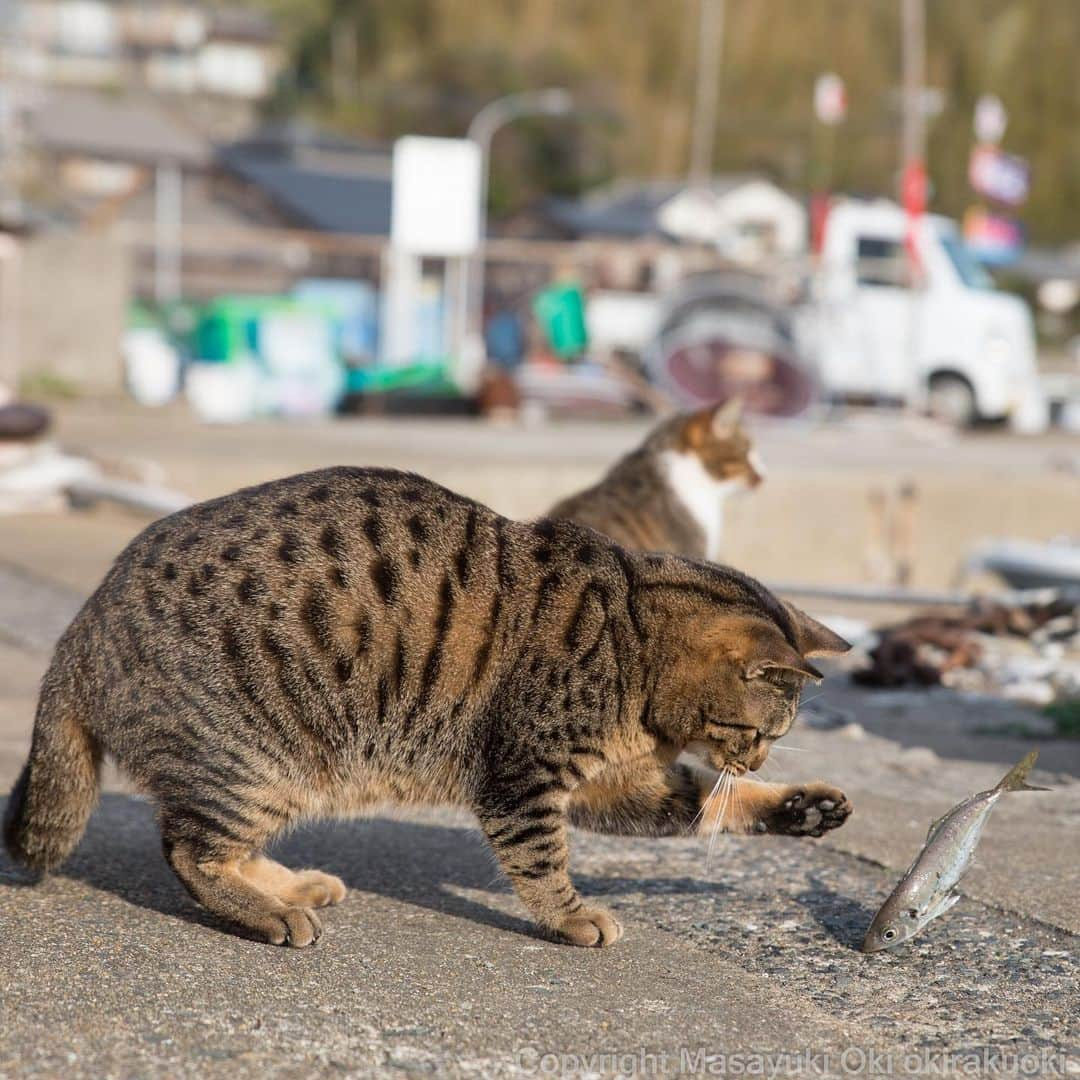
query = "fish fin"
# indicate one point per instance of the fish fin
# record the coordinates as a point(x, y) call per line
point(933, 827)
point(943, 905)
point(1014, 779)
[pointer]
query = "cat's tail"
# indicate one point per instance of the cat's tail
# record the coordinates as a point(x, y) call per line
point(50, 804)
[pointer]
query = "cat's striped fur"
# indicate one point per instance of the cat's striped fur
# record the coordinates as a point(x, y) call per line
point(668, 494)
point(330, 641)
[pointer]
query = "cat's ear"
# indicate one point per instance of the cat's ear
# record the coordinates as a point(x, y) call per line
point(715, 422)
point(771, 650)
point(697, 428)
point(757, 645)
point(726, 417)
point(814, 638)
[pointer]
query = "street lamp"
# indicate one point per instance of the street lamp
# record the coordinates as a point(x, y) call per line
point(482, 129)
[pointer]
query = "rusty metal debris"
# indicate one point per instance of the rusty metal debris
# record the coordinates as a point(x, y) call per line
point(989, 647)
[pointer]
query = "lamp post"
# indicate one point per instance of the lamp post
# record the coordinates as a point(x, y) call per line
point(482, 130)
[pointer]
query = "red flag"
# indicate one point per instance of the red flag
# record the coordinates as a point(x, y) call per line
point(913, 192)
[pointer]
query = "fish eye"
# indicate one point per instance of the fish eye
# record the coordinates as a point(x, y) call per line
point(889, 935)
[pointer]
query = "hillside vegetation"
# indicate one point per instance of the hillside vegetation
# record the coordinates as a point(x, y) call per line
point(384, 67)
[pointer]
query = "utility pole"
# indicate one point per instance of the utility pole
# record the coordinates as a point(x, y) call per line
point(710, 48)
point(914, 182)
point(168, 223)
point(913, 137)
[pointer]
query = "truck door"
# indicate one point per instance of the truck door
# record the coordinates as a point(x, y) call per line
point(888, 314)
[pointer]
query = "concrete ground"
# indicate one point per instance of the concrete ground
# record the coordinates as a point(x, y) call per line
point(430, 967)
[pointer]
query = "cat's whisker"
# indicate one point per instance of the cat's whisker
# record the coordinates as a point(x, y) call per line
point(793, 749)
point(727, 784)
point(739, 803)
point(707, 801)
point(715, 824)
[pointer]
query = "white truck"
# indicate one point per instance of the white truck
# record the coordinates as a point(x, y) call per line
point(861, 324)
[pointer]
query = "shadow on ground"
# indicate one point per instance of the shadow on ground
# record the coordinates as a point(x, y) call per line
point(425, 865)
point(845, 920)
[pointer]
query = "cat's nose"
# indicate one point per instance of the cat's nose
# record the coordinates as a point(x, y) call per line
point(757, 758)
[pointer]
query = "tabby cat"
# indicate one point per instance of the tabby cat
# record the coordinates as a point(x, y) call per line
point(330, 641)
point(669, 493)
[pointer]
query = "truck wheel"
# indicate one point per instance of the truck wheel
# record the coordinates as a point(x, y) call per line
point(951, 399)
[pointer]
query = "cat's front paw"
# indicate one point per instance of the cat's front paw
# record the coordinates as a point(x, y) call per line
point(810, 810)
point(590, 927)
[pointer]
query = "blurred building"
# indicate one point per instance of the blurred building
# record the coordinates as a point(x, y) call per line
point(164, 46)
point(95, 157)
point(92, 154)
point(747, 218)
point(296, 176)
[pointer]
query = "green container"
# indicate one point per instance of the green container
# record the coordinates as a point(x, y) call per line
point(428, 377)
point(560, 311)
point(228, 328)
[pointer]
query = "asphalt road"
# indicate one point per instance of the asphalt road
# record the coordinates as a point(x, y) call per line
point(746, 966)
point(428, 966)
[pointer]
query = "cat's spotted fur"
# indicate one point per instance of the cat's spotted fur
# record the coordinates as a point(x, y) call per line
point(669, 493)
point(324, 643)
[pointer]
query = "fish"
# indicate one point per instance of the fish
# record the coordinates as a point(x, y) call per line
point(927, 890)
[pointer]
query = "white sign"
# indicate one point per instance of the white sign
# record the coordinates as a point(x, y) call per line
point(990, 119)
point(436, 196)
point(830, 98)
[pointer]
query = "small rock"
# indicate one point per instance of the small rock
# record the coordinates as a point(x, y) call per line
point(852, 731)
point(917, 759)
point(1030, 692)
point(824, 717)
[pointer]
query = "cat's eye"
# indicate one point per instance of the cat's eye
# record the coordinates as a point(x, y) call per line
point(785, 684)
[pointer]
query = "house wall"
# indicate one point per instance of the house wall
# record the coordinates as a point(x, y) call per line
point(72, 296)
point(170, 47)
point(751, 221)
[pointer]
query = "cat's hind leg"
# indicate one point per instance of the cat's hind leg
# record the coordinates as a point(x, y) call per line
point(306, 888)
point(210, 868)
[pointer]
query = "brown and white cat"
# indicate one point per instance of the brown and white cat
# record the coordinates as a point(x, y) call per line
point(669, 493)
point(327, 642)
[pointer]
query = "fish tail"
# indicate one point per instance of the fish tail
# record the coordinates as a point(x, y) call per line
point(1015, 779)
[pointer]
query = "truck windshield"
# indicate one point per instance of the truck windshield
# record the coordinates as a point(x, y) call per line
point(968, 268)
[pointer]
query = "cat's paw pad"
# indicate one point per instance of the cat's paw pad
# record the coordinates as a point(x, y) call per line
point(297, 927)
point(590, 927)
point(809, 811)
point(314, 889)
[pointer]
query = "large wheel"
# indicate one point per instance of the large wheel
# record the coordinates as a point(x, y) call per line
point(723, 354)
point(950, 398)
